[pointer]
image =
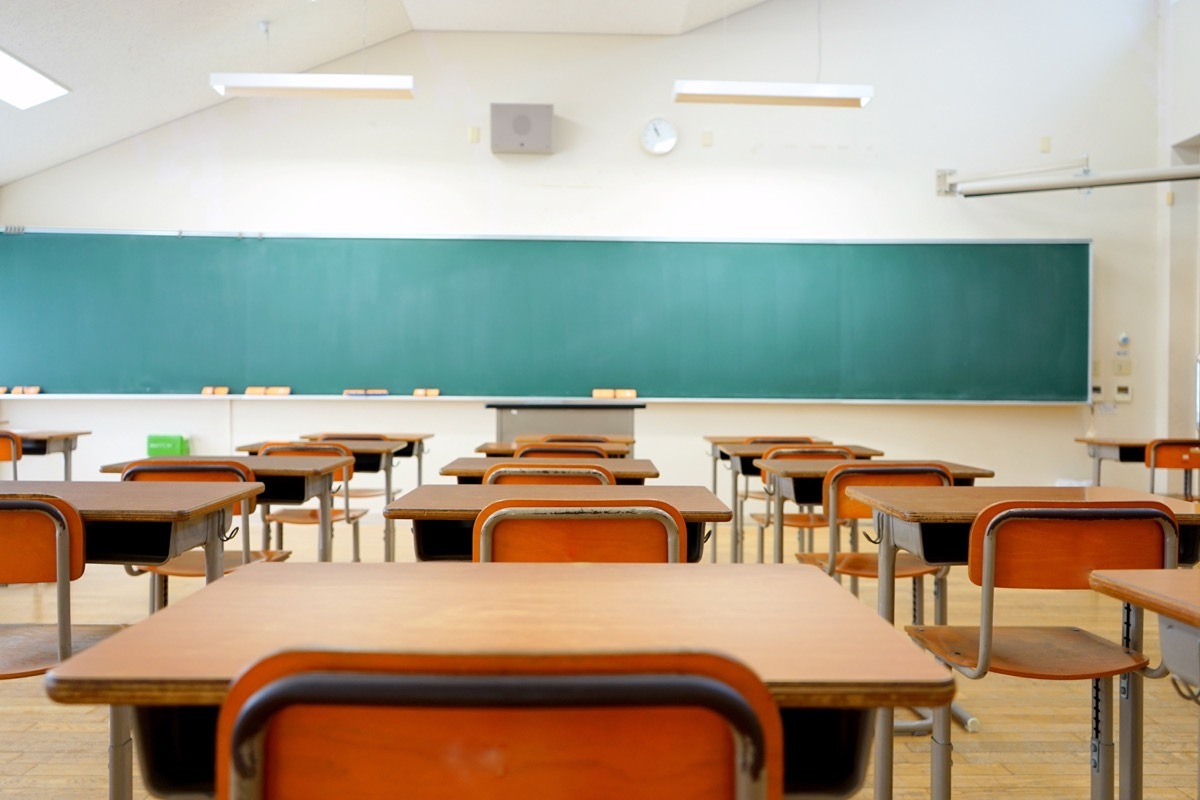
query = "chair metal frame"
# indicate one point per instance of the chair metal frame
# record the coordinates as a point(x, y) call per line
point(1174, 454)
point(559, 450)
point(345, 474)
point(549, 473)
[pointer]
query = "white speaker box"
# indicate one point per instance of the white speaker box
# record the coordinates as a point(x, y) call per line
point(522, 128)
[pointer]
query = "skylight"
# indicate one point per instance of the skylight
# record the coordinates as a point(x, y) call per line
point(24, 87)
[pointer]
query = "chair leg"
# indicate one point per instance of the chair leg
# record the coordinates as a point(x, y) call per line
point(941, 597)
point(158, 592)
point(918, 600)
point(278, 535)
point(761, 538)
point(940, 755)
point(264, 509)
point(357, 556)
point(1102, 739)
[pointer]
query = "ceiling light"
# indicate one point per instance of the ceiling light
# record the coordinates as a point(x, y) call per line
point(23, 86)
point(776, 94)
point(311, 84)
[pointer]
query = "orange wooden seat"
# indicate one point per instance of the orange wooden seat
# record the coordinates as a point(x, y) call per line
point(1181, 454)
point(543, 472)
point(807, 520)
point(191, 564)
point(613, 530)
point(311, 516)
point(42, 539)
point(559, 450)
point(1029, 545)
point(303, 725)
point(847, 510)
point(10, 449)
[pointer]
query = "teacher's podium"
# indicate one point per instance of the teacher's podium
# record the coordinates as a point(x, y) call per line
point(541, 416)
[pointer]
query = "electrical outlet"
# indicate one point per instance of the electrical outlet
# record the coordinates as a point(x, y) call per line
point(1124, 394)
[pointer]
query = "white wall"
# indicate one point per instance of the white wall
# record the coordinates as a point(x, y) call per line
point(959, 83)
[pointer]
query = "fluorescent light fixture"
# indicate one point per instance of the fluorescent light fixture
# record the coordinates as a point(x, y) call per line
point(24, 87)
point(311, 84)
point(776, 94)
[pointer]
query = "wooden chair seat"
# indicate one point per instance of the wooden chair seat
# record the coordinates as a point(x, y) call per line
point(1044, 653)
point(191, 563)
point(31, 649)
point(866, 565)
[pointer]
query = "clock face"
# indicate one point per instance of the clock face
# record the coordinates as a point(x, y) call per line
point(659, 137)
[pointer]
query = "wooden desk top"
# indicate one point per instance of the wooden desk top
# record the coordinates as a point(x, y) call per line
point(844, 657)
point(818, 468)
point(397, 437)
point(365, 446)
point(758, 449)
point(614, 449)
point(1114, 441)
point(719, 440)
point(465, 501)
point(623, 468)
point(963, 503)
point(275, 466)
point(619, 438)
point(48, 435)
point(138, 501)
point(1173, 593)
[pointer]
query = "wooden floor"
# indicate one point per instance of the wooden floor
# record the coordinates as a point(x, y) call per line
point(1033, 742)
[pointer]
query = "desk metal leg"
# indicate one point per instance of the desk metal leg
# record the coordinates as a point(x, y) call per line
point(120, 753)
point(778, 521)
point(420, 462)
point(1130, 736)
point(389, 529)
point(886, 603)
point(735, 533)
point(1096, 461)
point(325, 520)
point(67, 460)
point(214, 548)
point(712, 548)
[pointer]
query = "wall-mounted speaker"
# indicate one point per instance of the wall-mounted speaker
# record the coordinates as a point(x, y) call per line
point(522, 128)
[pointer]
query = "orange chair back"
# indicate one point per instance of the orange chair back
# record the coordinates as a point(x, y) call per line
point(183, 469)
point(1173, 454)
point(27, 538)
point(361, 437)
point(10, 446)
point(560, 450)
point(543, 472)
point(312, 449)
point(566, 533)
point(1049, 553)
point(867, 473)
point(320, 724)
point(778, 440)
point(575, 437)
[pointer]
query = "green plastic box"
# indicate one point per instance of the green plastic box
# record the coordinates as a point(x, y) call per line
point(167, 444)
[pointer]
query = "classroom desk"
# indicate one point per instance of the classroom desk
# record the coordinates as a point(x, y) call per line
point(415, 447)
point(1175, 596)
point(802, 482)
point(743, 458)
point(443, 515)
point(627, 471)
point(1113, 449)
point(146, 523)
point(934, 522)
point(41, 443)
point(370, 455)
point(828, 674)
point(286, 480)
point(509, 449)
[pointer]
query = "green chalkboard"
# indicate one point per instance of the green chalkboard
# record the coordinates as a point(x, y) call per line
point(122, 313)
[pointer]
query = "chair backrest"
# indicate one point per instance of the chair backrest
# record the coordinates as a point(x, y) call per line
point(10, 449)
point(1045, 545)
point(319, 724)
point(182, 469)
point(41, 537)
point(358, 437)
point(560, 450)
point(778, 440)
point(311, 449)
point(575, 437)
point(867, 473)
point(1173, 454)
point(613, 530)
point(549, 473)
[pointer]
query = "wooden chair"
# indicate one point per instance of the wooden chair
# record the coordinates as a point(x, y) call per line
point(303, 725)
point(191, 563)
point(10, 449)
point(849, 511)
point(559, 450)
point(1028, 545)
point(312, 516)
point(1181, 454)
point(575, 437)
point(42, 539)
point(806, 521)
point(580, 530)
point(549, 473)
point(746, 493)
point(346, 490)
